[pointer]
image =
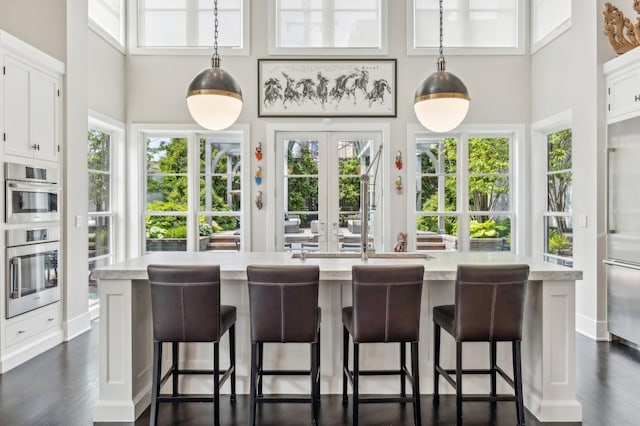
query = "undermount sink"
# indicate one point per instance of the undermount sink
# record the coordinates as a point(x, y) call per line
point(354, 255)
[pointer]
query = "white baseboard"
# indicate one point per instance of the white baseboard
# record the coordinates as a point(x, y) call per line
point(77, 326)
point(596, 330)
point(33, 349)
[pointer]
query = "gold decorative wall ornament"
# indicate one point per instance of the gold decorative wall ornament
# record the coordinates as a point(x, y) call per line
point(623, 35)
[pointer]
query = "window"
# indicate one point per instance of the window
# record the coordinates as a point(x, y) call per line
point(436, 194)
point(319, 207)
point(557, 220)
point(461, 198)
point(167, 194)
point(187, 26)
point(327, 27)
point(220, 193)
point(107, 18)
point(194, 198)
point(469, 27)
point(103, 203)
point(549, 19)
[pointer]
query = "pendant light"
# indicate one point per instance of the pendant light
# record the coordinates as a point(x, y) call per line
point(441, 100)
point(214, 98)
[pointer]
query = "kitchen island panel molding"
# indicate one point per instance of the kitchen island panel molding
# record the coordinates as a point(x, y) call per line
point(126, 331)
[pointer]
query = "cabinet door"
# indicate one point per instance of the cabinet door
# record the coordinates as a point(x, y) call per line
point(16, 108)
point(43, 104)
point(624, 95)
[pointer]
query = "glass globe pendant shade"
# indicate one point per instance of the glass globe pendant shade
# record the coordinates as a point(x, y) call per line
point(214, 99)
point(441, 101)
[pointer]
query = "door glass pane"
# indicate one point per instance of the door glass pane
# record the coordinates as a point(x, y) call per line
point(354, 159)
point(301, 193)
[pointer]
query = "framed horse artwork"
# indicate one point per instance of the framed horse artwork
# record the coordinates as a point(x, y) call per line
point(327, 88)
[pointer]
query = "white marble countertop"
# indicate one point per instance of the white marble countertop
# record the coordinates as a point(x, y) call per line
point(442, 265)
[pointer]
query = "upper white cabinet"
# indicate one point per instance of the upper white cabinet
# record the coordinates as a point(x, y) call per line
point(31, 101)
point(623, 86)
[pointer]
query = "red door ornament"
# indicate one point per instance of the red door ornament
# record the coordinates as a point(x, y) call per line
point(399, 160)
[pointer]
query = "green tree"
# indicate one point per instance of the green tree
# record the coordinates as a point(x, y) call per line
point(349, 186)
point(98, 161)
point(167, 168)
point(487, 157)
point(302, 191)
point(560, 176)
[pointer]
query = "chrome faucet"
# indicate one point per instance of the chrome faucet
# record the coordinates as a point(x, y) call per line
point(364, 202)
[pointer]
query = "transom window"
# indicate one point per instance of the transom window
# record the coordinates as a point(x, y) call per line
point(327, 26)
point(107, 17)
point(469, 27)
point(462, 191)
point(189, 24)
point(549, 18)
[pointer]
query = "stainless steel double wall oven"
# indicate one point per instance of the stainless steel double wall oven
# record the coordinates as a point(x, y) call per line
point(33, 241)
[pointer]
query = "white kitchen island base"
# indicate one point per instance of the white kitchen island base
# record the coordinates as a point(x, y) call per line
point(126, 333)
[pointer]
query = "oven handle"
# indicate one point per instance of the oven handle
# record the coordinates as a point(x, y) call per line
point(16, 281)
point(33, 186)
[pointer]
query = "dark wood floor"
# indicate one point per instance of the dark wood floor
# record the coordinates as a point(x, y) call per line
point(60, 387)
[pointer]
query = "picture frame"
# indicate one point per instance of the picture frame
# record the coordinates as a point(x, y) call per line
point(327, 88)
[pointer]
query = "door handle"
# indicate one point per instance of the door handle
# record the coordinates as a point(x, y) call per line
point(16, 278)
point(335, 234)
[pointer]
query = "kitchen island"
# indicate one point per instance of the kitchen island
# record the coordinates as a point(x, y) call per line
point(548, 346)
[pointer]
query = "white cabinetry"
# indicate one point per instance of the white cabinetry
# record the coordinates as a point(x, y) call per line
point(31, 126)
point(31, 101)
point(623, 86)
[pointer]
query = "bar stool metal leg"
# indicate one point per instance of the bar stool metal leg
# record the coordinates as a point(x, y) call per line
point(252, 386)
point(417, 415)
point(403, 367)
point(232, 361)
point(436, 362)
point(345, 363)
point(314, 383)
point(318, 363)
point(155, 391)
point(175, 352)
point(356, 373)
point(260, 359)
point(517, 379)
point(459, 383)
point(216, 383)
point(492, 360)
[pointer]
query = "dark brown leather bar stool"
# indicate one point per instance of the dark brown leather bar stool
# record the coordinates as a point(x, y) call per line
point(489, 307)
point(185, 304)
point(386, 308)
point(284, 308)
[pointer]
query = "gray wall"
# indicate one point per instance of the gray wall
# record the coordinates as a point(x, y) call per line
point(499, 87)
point(40, 23)
point(106, 74)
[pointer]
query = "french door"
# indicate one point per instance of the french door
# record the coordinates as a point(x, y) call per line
point(319, 190)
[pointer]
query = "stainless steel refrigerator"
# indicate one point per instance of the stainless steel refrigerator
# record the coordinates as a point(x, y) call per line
point(623, 230)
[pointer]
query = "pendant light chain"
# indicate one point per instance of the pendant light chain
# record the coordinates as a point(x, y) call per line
point(215, 59)
point(441, 62)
